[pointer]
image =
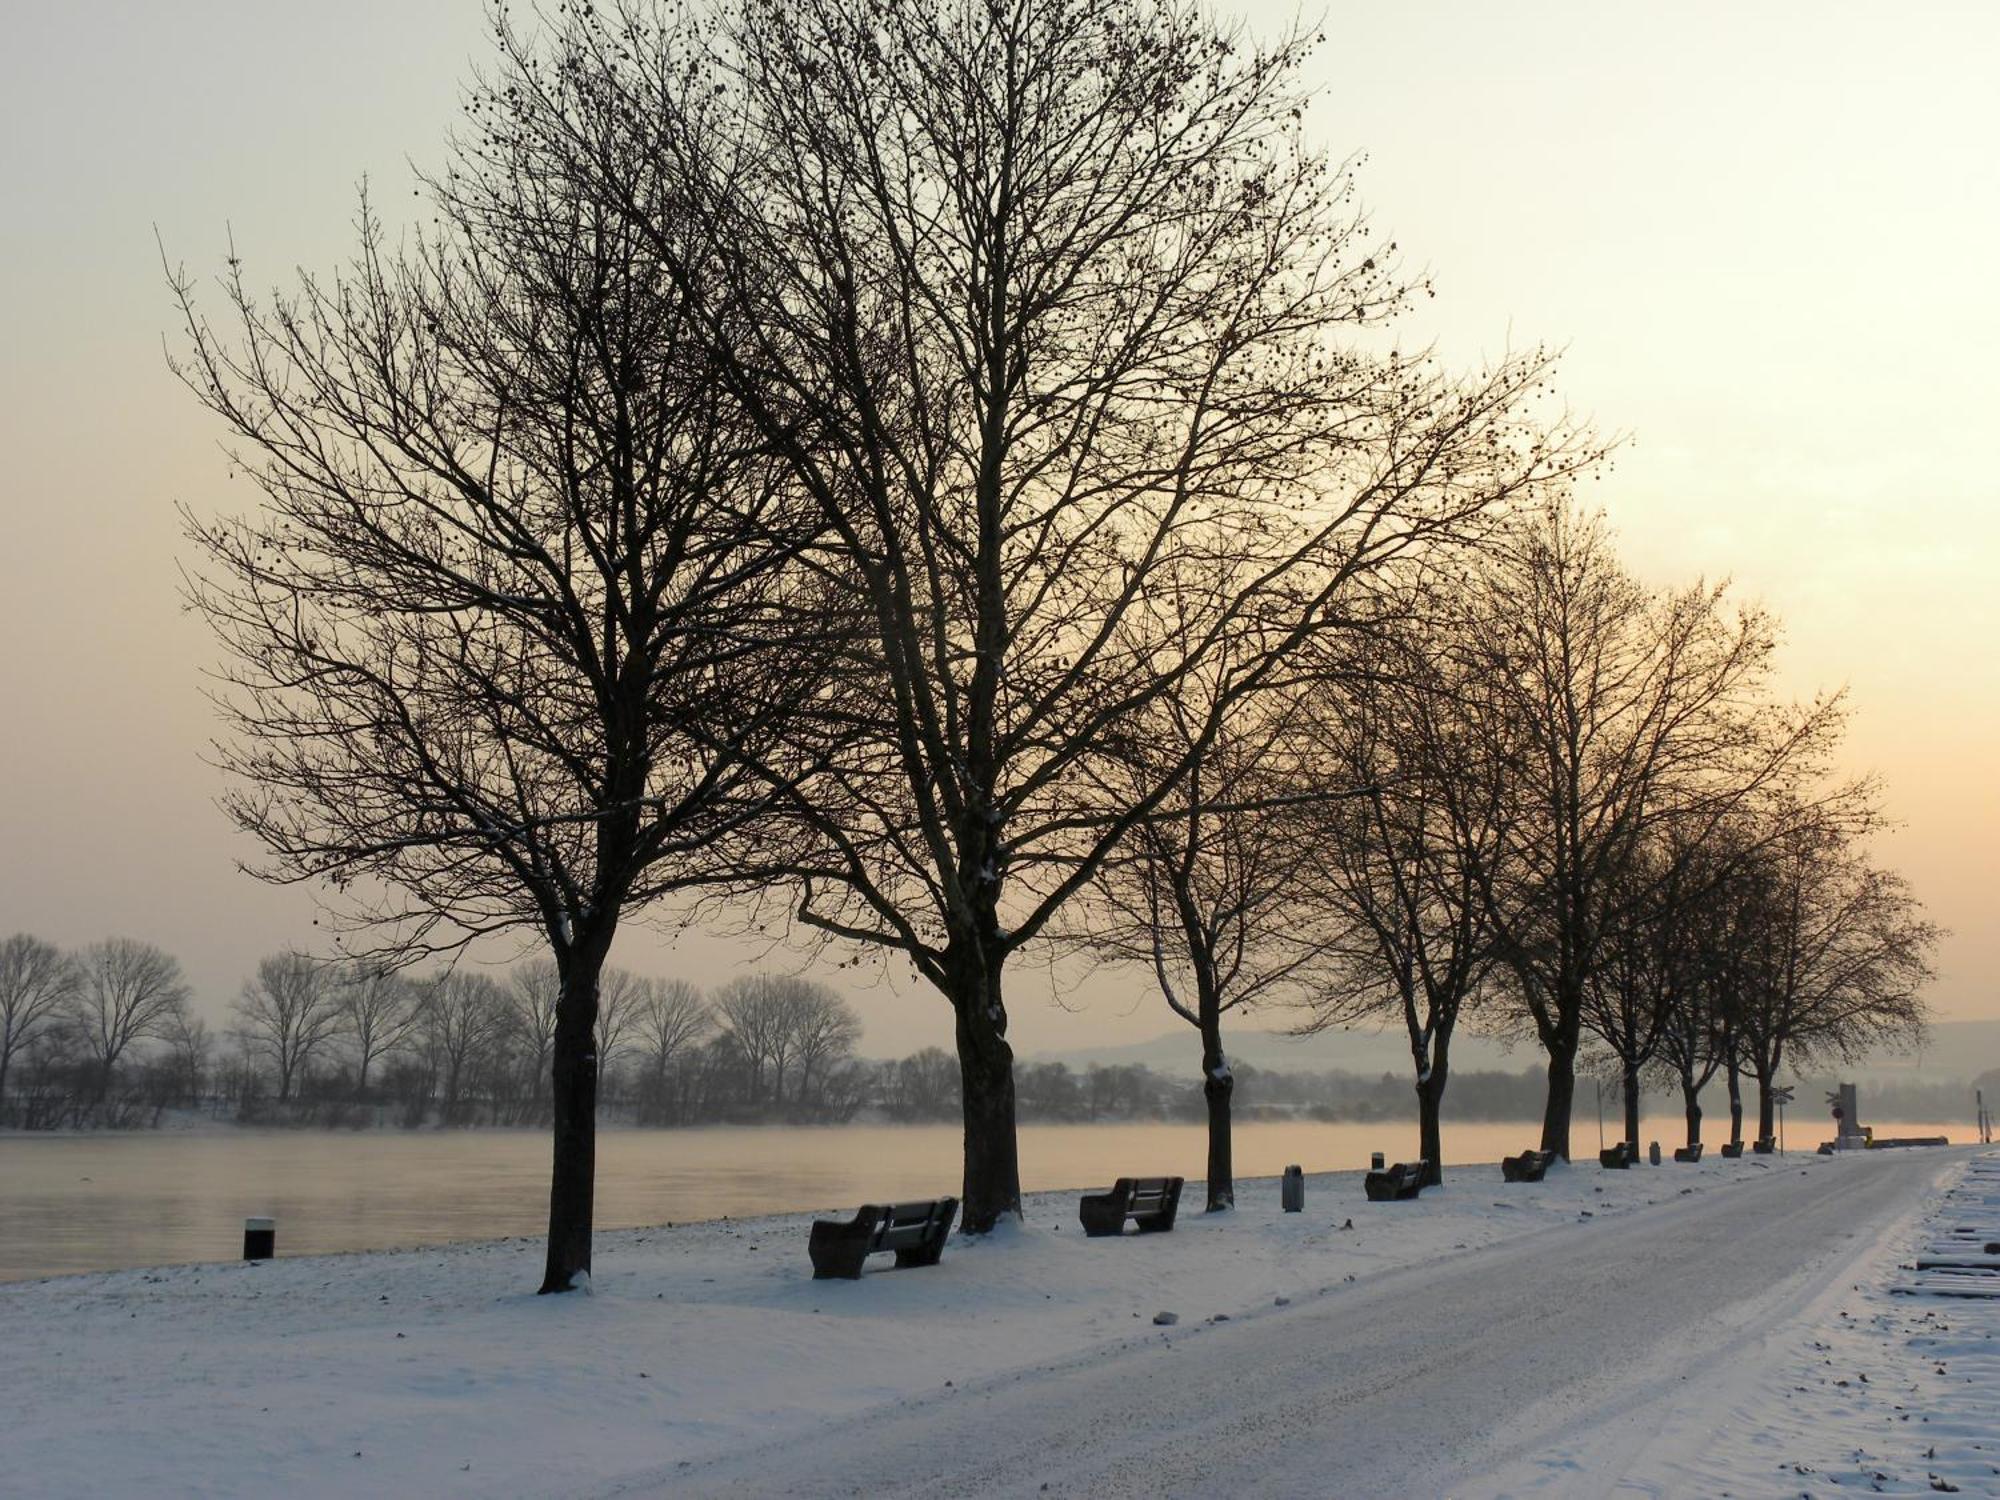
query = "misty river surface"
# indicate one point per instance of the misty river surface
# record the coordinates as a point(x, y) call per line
point(111, 1200)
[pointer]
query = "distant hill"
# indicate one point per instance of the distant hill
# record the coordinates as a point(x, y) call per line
point(1355, 1051)
point(1956, 1050)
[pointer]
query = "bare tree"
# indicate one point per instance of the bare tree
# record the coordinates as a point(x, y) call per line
point(1624, 710)
point(190, 1049)
point(1211, 892)
point(1838, 953)
point(781, 1022)
point(128, 992)
point(1047, 308)
point(750, 1013)
point(464, 1019)
point(534, 1001)
point(379, 1009)
point(618, 1001)
point(1405, 861)
point(289, 1012)
point(824, 1031)
point(672, 1019)
point(1694, 1037)
point(38, 986)
point(924, 1085)
point(504, 635)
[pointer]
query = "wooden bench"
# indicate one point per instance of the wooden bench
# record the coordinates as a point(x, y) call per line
point(1149, 1202)
point(1529, 1166)
point(915, 1231)
point(1403, 1180)
point(1621, 1156)
point(1688, 1153)
point(1732, 1150)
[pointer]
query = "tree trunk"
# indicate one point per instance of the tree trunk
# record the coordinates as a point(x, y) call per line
point(1218, 1084)
point(1767, 1107)
point(573, 1088)
point(1735, 1103)
point(1562, 1094)
point(1432, 1058)
point(986, 1084)
point(1631, 1091)
point(1691, 1104)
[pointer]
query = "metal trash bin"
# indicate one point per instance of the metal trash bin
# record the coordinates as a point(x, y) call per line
point(260, 1239)
point(1292, 1189)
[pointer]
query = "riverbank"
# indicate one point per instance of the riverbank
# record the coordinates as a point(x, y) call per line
point(103, 1201)
point(436, 1372)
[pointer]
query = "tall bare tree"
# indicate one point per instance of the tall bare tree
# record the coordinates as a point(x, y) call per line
point(1404, 862)
point(1211, 891)
point(1052, 311)
point(289, 1012)
point(504, 635)
point(38, 985)
point(128, 992)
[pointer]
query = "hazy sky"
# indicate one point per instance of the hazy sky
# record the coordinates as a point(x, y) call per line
point(1765, 234)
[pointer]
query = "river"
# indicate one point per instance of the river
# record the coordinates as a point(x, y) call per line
point(107, 1201)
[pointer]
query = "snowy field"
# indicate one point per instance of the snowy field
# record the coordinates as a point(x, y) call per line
point(708, 1359)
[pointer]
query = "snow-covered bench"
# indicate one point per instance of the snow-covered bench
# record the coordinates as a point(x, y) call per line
point(1404, 1180)
point(1624, 1154)
point(1732, 1150)
point(916, 1232)
point(1688, 1153)
point(1149, 1202)
point(1529, 1166)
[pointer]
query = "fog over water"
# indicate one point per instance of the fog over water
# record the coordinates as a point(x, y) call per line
point(108, 1201)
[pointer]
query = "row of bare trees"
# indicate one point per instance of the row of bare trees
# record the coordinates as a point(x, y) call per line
point(1548, 801)
point(887, 469)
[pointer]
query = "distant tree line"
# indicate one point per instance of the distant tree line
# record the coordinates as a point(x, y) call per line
point(107, 1036)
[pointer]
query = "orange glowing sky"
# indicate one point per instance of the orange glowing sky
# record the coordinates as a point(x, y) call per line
point(1765, 234)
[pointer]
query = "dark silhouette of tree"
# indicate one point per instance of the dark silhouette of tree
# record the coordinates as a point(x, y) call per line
point(38, 986)
point(289, 1012)
point(464, 1023)
point(1623, 711)
point(378, 1012)
point(128, 991)
point(1403, 862)
point(504, 636)
point(1056, 317)
point(672, 1020)
point(1837, 951)
point(1211, 892)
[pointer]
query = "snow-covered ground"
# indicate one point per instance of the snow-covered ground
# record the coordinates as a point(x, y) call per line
point(436, 1372)
point(1880, 1386)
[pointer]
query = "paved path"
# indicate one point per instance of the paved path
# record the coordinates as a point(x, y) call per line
point(1418, 1382)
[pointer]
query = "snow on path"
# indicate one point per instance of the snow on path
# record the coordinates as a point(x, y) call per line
point(1419, 1382)
point(1868, 1391)
point(437, 1373)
